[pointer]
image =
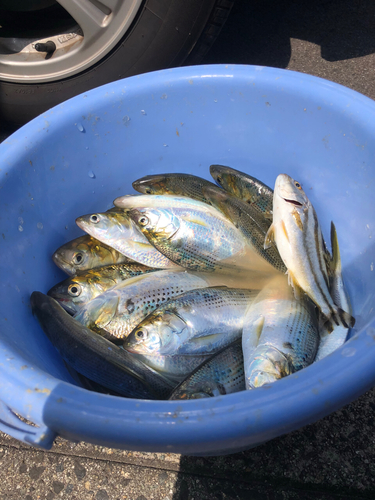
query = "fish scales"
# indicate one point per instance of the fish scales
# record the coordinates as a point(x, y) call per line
point(173, 368)
point(222, 373)
point(280, 334)
point(173, 184)
point(245, 187)
point(197, 322)
point(197, 239)
point(251, 223)
point(116, 312)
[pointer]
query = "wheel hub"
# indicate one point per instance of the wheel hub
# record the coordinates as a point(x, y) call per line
point(95, 27)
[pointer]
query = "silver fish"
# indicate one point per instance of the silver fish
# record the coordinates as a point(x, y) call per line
point(85, 253)
point(250, 222)
point(298, 237)
point(115, 229)
point(173, 184)
point(280, 334)
point(128, 202)
point(95, 357)
point(245, 187)
point(222, 373)
point(199, 238)
point(194, 323)
point(330, 340)
point(116, 312)
point(74, 292)
point(172, 368)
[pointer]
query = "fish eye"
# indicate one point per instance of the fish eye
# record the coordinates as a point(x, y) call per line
point(74, 290)
point(140, 334)
point(143, 220)
point(94, 218)
point(78, 258)
point(298, 185)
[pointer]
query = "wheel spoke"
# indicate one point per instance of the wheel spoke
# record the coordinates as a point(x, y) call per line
point(102, 23)
point(91, 15)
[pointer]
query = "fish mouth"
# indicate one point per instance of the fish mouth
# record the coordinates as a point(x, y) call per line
point(82, 223)
point(294, 202)
point(63, 264)
point(65, 304)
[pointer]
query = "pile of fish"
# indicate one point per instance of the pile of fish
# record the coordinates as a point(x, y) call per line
point(192, 290)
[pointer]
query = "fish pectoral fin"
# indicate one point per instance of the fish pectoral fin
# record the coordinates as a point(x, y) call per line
point(139, 245)
point(297, 219)
point(107, 312)
point(297, 290)
point(172, 313)
point(205, 338)
point(251, 335)
point(270, 237)
point(258, 326)
point(195, 219)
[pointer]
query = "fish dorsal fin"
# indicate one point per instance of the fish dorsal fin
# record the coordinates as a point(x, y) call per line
point(336, 259)
point(270, 237)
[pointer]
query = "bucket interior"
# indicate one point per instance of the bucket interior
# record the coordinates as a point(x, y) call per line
point(78, 157)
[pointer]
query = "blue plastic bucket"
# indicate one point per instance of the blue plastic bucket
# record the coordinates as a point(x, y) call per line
point(79, 156)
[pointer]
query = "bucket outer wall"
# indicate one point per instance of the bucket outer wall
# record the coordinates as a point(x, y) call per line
point(168, 120)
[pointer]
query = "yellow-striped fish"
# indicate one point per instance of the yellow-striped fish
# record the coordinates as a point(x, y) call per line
point(115, 229)
point(298, 237)
point(173, 184)
point(332, 340)
point(84, 253)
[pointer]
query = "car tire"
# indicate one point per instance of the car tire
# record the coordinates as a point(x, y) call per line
point(165, 33)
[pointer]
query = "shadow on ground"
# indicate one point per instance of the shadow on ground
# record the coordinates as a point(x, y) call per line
point(259, 31)
point(331, 459)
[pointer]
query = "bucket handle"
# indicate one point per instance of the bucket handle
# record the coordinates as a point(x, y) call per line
point(11, 424)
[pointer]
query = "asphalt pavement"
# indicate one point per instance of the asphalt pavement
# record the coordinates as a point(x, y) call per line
point(330, 459)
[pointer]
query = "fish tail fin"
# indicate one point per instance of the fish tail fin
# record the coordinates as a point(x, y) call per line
point(327, 326)
point(346, 319)
point(338, 292)
point(339, 317)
